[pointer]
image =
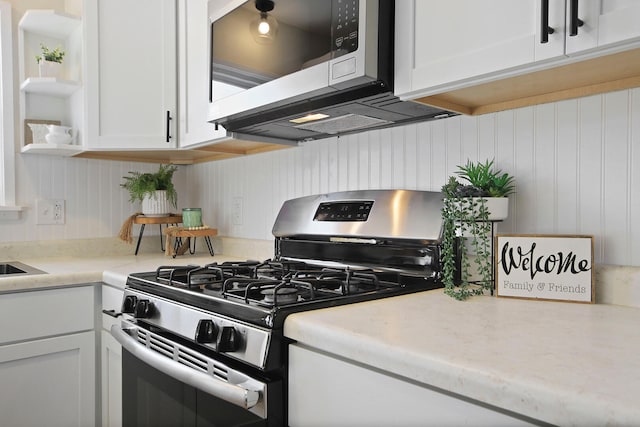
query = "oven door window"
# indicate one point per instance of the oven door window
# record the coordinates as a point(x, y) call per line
point(152, 398)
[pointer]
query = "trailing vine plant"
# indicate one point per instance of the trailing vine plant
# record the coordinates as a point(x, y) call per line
point(466, 224)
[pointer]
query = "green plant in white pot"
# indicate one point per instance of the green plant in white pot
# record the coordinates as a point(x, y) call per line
point(468, 209)
point(155, 190)
point(50, 61)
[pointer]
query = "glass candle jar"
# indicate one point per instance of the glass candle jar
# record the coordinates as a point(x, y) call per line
point(192, 217)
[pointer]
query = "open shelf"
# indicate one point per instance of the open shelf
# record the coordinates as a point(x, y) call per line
point(49, 86)
point(49, 23)
point(63, 150)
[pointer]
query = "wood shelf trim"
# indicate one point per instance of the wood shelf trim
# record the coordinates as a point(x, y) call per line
point(589, 77)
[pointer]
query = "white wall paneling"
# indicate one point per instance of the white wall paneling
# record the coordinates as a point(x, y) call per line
point(576, 163)
point(96, 205)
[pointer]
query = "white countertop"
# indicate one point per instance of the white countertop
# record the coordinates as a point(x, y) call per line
point(563, 363)
point(113, 270)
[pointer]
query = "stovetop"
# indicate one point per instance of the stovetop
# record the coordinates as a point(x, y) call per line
point(329, 250)
point(262, 293)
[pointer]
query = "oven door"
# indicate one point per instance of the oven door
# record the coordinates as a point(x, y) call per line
point(165, 383)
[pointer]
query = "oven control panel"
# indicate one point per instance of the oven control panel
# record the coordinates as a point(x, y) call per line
point(344, 211)
point(236, 339)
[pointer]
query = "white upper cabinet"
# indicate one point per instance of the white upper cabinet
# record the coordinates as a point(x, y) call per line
point(194, 44)
point(131, 77)
point(443, 46)
point(601, 23)
point(441, 42)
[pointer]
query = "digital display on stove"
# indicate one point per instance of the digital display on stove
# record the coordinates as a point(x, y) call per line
point(343, 211)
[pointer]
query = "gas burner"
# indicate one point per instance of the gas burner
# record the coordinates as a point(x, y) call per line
point(280, 269)
point(232, 269)
point(281, 295)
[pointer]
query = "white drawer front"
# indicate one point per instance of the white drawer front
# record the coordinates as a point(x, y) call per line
point(36, 314)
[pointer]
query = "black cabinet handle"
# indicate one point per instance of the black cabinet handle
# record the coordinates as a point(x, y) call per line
point(168, 125)
point(575, 21)
point(545, 29)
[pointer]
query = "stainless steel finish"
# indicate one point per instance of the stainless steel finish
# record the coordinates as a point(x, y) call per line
point(397, 214)
point(354, 91)
point(15, 268)
point(355, 266)
point(312, 81)
point(261, 138)
point(193, 368)
point(183, 320)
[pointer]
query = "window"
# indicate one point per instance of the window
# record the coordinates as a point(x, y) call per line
point(8, 210)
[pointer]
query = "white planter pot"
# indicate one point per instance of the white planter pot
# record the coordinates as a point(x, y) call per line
point(49, 69)
point(498, 208)
point(156, 204)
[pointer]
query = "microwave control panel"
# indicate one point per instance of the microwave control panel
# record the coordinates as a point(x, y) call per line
point(344, 26)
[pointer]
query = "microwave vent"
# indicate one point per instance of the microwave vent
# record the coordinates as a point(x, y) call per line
point(345, 123)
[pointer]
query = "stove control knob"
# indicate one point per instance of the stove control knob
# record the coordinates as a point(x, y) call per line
point(129, 304)
point(228, 340)
point(143, 310)
point(206, 331)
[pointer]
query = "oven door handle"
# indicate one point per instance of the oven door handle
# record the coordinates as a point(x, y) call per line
point(236, 395)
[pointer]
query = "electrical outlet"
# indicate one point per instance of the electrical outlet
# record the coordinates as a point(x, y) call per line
point(50, 211)
point(237, 211)
point(58, 211)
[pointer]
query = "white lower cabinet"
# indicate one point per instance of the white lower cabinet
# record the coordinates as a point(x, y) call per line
point(47, 358)
point(328, 391)
point(111, 360)
point(48, 382)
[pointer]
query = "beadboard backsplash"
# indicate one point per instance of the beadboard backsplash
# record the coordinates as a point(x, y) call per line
point(95, 204)
point(576, 164)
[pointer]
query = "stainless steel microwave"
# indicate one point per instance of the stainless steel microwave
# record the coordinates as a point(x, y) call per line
point(294, 70)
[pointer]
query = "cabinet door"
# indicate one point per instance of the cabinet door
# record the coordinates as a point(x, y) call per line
point(605, 23)
point(327, 391)
point(111, 381)
point(49, 382)
point(194, 45)
point(442, 42)
point(131, 76)
point(111, 359)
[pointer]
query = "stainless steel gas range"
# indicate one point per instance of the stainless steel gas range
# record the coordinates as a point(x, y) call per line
point(206, 342)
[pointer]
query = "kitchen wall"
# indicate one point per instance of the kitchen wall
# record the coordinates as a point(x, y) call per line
point(577, 166)
point(576, 163)
point(96, 205)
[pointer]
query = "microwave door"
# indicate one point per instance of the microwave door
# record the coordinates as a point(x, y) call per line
point(312, 81)
point(296, 64)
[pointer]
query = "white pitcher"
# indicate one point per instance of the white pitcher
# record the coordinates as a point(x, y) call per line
point(58, 134)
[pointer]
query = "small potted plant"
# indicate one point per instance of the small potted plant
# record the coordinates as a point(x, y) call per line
point(154, 190)
point(50, 61)
point(468, 211)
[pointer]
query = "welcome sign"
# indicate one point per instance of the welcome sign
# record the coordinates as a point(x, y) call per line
point(547, 267)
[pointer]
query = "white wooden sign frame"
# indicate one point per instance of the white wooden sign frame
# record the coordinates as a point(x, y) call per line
point(551, 267)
